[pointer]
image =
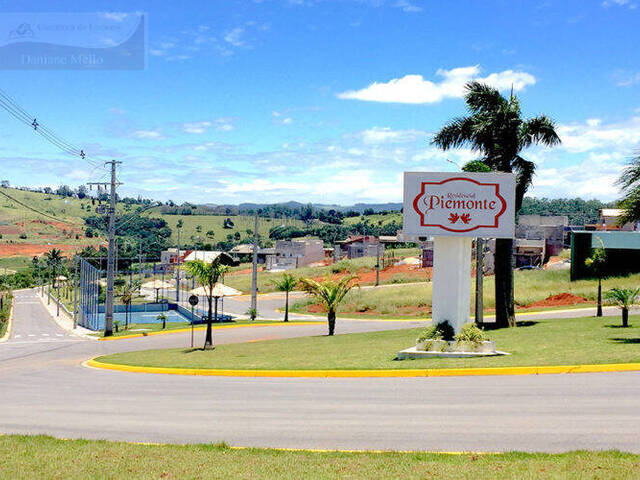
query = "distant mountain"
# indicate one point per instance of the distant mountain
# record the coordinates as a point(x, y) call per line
point(358, 207)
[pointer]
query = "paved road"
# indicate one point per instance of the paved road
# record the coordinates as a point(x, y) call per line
point(46, 390)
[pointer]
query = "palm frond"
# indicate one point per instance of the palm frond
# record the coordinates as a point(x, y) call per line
point(630, 176)
point(481, 97)
point(456, 133)
point(539, 130)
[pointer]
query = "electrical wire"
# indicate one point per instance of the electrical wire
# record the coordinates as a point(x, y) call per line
point(20, 114)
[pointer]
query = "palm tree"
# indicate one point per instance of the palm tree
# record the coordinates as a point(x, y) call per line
point(496, 130)
point(53, 259)
point(629, 182)
point(208, 275)
point(287, 283)
point(330, 294)
point(624, 298)
point(596, 262)
point(127, 292)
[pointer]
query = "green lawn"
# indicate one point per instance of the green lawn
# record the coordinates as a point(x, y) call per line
point(44, 457)
point(530, 286)
point(546, 342)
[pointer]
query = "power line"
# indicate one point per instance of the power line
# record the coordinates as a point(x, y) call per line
point(20, 114)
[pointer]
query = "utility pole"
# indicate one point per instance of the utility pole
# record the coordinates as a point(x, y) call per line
point(75, 294)
point(108, 307)
point(479, 280)
point(378, 264)
point(254, 269)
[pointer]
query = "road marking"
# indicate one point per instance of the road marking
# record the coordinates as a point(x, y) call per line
point(59, 335)
point(45, 334)
point(18, 336)
point(31, 335)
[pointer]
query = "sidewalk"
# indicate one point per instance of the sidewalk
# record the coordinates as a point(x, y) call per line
point(63, 320)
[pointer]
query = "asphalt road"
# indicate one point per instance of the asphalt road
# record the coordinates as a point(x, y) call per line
point(44, 389)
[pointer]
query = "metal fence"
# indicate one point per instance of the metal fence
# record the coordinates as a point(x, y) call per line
point(88, 295)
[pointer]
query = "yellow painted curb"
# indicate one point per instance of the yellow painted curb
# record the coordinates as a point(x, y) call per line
point(214, 327)
point(429, 372)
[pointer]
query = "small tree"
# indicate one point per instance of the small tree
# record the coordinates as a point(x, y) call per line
point(596, 262)
point(330, 294)
point(208, 275)
point(623, 298)
point(287, 283)
point(127, 292)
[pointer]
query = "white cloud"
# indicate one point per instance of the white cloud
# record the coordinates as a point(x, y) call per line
point(408, 7)
point(592, 135)
point(386, 134)
point(416, 89)
point(225, 124)
point(147, 134)
point(233, 37)
point(620, 3)
point(196, 127)
point(624, 78)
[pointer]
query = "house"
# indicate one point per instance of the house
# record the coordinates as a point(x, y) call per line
point(358, 246)
point(171, 255)
point(210, 256)
point(608, 220)
point(622, 250)
point(548, 228)
point(295, 253)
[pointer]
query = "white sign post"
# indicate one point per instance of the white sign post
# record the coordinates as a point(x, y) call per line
point(454, 208)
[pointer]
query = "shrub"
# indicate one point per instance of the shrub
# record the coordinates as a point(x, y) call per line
point(23, 236)
point(441, 331)
point(472, 334)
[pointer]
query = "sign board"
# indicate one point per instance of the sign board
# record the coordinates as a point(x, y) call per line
point(193, 300)
point(459, 204)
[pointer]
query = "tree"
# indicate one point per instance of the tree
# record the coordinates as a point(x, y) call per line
point(81, 192)
point(207, 274)
point(629, 182)
point(287, 283)
point(496, 130)
point(127, 292)
point(330, 294)
point(210, 234)
point(596, 262)
point(623, 298)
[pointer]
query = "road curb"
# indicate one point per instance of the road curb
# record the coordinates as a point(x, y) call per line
point(203, 327)
point(409, 373)
point(7, 332)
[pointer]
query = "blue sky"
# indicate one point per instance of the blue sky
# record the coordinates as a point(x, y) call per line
point(327, 101)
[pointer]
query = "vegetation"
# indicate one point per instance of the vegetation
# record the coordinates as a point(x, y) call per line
point(127, 293)
point(623, 298)
point(597, 263)
point(496, 129)
point(287, 283)
point(330, 294)
point(629, 182)
point(46, 457)
point(571, 341)
point(441, 331)
point(208, 274)
point(470, 333)
point(5, 308)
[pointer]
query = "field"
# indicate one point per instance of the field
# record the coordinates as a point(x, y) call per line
point(45, 457)
point(214, 223)
point(364, 267)
point(572, 341)
point(376, 219)
point(533, 289)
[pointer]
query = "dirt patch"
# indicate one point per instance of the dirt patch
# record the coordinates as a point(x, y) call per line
point(10, 230)
point(30, 249)
point(559, 300)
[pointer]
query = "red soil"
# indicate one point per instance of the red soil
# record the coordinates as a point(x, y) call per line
point(30, 249)
point(559, 300)
point(10, 230)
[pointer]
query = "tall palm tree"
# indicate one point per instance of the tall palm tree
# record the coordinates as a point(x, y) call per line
point(53, 260)
point(629, 182)
point(624, 298)
point(127, 292)
point(496, 130)
point(208, 275)
point(287, 283)
point(330, 294)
